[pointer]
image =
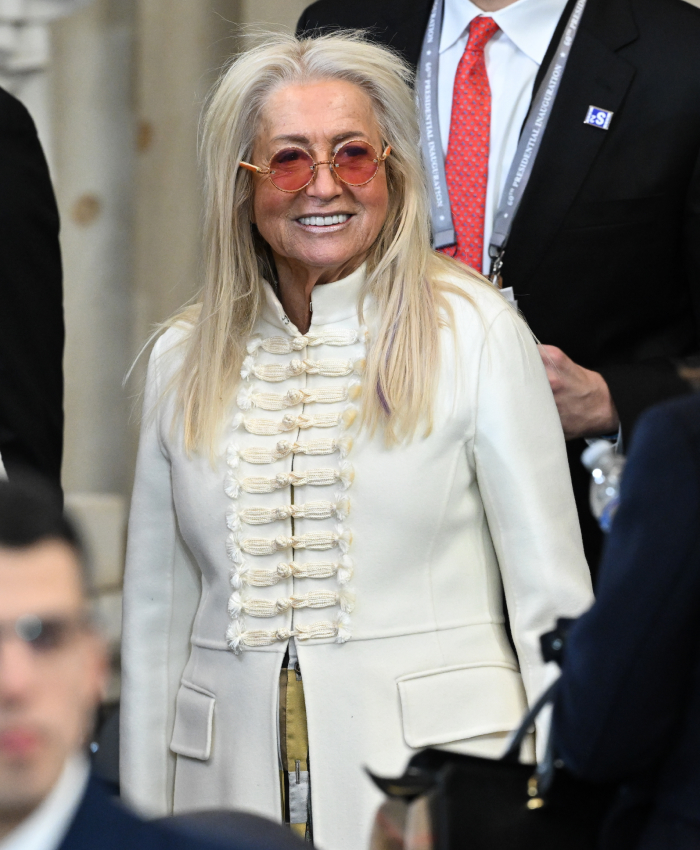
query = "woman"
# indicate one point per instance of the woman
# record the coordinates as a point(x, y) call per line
point(349, 449)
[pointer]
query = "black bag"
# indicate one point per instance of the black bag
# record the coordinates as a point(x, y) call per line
point(446, 801)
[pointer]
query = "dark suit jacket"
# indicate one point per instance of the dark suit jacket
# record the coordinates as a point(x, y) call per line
point(628, 708)
point(31, 317)
point(103, 823)
point(604, 254)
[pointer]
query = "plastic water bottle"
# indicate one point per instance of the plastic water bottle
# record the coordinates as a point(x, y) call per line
point(605, 466)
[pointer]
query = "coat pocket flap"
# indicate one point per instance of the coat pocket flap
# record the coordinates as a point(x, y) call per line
point(194, 721)
point(455, 703)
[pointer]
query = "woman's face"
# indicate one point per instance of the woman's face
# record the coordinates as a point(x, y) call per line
point(319, 117)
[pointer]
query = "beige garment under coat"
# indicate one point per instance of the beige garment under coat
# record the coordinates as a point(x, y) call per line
point(384, 564)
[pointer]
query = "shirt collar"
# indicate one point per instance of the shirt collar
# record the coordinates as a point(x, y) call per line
point(331, 302)
point(46, 826)
point(529, 24)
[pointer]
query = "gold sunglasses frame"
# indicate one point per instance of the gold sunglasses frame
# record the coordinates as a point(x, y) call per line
point(266, 171)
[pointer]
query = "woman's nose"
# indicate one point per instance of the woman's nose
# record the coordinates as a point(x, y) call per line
point(324, 185)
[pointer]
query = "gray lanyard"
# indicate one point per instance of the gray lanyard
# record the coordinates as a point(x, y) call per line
point(433, 156)
point(524, 159)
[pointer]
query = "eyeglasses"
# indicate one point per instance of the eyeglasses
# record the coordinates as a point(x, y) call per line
point(44, 636)
point(292, 169)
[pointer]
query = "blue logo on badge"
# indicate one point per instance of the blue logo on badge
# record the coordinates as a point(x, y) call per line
point(598, 117)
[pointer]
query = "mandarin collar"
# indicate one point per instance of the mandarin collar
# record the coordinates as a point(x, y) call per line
point(331, 302)
point(529, 24)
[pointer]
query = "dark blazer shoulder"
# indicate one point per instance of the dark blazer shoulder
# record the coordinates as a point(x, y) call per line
point(395, 23)
point(673, 422)
point(31, 322)
point(673, 27)
point(101, 821)
point(362, 13)
point(14, 115)
point(676, 13)
point(99, 818)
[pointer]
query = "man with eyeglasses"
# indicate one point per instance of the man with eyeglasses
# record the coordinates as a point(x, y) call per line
point(53, 671)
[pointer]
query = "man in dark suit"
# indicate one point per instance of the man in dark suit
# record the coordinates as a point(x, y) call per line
point(31, 318)
point(52, 674)
point(604, 251)
point(628, 707)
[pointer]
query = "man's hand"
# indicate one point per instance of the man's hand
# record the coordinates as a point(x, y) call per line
point(585, 406)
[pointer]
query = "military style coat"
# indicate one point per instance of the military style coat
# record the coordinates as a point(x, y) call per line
point(386, 565)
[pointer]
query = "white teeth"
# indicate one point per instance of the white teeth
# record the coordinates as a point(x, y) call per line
point(323, 220)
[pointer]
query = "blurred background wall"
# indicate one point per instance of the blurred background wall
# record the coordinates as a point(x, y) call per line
point(116, 88)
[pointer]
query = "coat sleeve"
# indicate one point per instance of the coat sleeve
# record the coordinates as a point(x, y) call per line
point(161, 591)
point(31, 320)
point(525, 486)
point(631, 661)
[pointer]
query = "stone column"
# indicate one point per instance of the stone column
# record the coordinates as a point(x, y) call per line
point(94, 164)
point(173, 72)
point(94, 152)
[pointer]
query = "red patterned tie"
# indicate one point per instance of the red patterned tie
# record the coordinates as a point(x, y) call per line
point(467, 160)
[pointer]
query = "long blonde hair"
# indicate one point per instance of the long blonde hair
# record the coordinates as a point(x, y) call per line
point(406, 279)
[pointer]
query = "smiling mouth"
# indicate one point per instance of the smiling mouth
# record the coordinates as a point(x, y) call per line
point(324, 220)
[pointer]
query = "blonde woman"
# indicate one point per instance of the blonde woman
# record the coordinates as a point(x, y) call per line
point(347, 452)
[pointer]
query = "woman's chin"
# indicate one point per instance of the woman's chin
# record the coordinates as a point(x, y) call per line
point(318, 257)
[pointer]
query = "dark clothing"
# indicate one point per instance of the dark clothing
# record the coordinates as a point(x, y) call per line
point(103, 823)
point(604, 254)
point(628, 708)
point(250, 832)
point(31, 318)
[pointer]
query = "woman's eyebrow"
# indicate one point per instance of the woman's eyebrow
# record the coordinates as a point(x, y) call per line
point(297, 140)
point(304, 140)
point(353, 134)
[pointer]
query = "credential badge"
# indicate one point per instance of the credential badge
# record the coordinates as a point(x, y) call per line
point(598, 117)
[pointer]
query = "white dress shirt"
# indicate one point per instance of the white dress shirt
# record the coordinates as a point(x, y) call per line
point(513, 57)
point(48, 824)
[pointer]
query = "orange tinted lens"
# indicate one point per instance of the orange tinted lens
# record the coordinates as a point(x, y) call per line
point(291, 169)
point(356, 163)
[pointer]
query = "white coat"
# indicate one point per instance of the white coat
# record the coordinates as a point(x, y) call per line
point(387, 565)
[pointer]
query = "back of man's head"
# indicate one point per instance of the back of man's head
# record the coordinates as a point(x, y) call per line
point(52, 662)
point(30, 511)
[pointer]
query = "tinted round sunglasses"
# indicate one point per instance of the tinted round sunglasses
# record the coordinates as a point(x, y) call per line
point(355, 163)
